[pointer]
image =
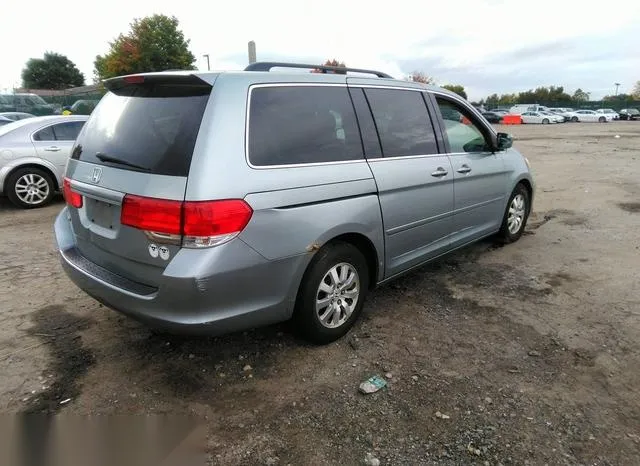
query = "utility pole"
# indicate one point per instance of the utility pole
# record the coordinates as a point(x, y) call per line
point(252, 51)
point(206, 55)
point(617, 86)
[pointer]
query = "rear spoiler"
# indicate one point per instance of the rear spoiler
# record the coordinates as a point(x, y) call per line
point(158, 85)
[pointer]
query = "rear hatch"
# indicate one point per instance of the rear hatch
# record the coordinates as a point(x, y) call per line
point(125, 183)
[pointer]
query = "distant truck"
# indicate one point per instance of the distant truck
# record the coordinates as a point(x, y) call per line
point(521, 108)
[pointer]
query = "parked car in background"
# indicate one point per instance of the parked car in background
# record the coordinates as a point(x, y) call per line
point(499, 112)
point(81, 107)
point(493, 117)
point(562, 111)
point(28, 103)
point(5, 121)
point(15, 116)
point(609, 111)
point(630, 114)
point(34, 154)
point(590, 116)
point(557, 118)
point(203, 202)
point(5, 104)
point(537, 118)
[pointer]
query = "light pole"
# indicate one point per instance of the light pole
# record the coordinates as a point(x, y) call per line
point(251, 46)
point(617, 86)
point(206, 55)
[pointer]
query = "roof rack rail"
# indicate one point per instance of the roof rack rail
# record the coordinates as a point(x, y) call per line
point(267, 65)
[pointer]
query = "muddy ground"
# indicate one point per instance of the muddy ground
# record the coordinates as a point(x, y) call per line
point(529, 353)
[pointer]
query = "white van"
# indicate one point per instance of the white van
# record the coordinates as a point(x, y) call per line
point(521, 108)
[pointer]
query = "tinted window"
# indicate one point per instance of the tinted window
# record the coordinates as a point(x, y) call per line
point(302, 124)
point(463, 133)
point(368, 131)
point(45, 134)
point(68, 131)
point(403, 122)
point(152, 127)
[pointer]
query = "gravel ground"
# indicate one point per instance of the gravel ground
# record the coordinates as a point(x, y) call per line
point(523, 354)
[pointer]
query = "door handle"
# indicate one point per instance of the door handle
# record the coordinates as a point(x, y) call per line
point(464, 169)
point(52, 149)
point(439, 172)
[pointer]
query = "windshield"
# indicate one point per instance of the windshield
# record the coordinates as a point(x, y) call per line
point(154, 130)
point(4, 100)
point(36, 100)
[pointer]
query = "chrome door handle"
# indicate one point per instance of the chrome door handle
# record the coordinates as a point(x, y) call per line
point(52, 149)
point(464, 169)
point(439, 172)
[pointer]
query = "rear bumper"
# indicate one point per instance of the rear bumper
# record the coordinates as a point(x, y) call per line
point(244, 291)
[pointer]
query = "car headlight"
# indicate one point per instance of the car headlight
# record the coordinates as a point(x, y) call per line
point(526, 160)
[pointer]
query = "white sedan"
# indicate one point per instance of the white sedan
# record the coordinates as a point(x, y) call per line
point(589, 116)
point(609, 111)
point(537, 118)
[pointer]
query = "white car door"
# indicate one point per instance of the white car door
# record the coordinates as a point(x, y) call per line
point(54, 142)
point(587, 115)
point(530, 117)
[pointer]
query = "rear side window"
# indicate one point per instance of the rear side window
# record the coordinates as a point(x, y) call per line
point(45, 134)
point(150, 128)
point(68, 131)
point(403, 122)
point(302, 124)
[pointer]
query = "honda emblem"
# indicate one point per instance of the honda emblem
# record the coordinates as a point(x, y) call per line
point(96, 175)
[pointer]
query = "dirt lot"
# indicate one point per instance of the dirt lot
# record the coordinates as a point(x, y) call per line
point(529, 353)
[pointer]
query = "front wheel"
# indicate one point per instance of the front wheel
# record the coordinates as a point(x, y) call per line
point(602, 119)
point(516, 215)
point(332, 293)
point(30, 187)
point(545, 121)
point(574, 119)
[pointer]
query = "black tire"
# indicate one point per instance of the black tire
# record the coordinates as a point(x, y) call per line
point(574, 119)
point(545, 121)
point(38, 174)
point(306, 320)
point(509, 236)
point(602, 120)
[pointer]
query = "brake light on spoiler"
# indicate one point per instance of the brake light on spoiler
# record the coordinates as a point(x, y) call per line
point(199, 224)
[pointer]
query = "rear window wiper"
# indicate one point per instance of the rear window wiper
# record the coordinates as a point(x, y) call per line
point(107, 158)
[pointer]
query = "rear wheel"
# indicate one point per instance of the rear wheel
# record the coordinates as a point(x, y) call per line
point(30, 188)
point(602, 119)
point(574, 119)
point(545, 121)
point(516, 215)
point(332, 293)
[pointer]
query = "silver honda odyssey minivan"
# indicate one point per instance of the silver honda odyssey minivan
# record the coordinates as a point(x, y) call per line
point(213, 202)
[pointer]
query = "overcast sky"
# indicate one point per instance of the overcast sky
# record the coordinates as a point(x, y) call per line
point(486, 45)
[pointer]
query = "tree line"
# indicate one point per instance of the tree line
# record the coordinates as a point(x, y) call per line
point(155, 43)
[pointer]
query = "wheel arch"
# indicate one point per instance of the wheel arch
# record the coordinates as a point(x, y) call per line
point(29, 164)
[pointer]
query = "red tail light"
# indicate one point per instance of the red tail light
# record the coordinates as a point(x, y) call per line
point(157, 215)
point(201, 223)
point(73, 198)
point(213, 218)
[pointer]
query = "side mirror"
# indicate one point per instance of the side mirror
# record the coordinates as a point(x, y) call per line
point(504, 141)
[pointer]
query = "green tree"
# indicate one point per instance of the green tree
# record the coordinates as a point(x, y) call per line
point(154, 43)
point(420, 77)
point(53, 71)
point(457, 89)
point(617, 98)
point(334, 62)
point(636, 91)
point(580, 96)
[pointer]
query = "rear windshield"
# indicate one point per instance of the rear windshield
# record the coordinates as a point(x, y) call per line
point(152, 129)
